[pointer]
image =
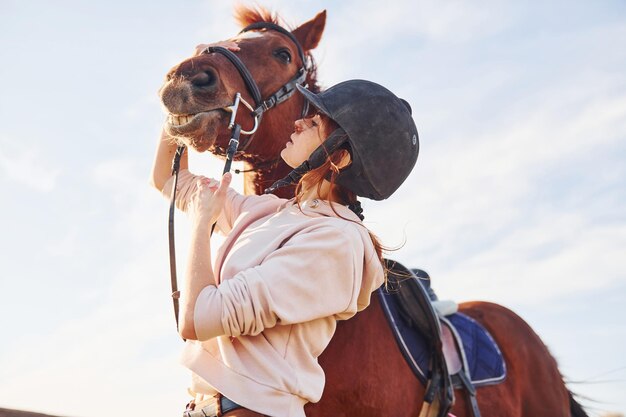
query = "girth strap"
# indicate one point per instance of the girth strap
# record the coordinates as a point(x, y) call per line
point(470, 391)
point(418, 311)
point(462, 379)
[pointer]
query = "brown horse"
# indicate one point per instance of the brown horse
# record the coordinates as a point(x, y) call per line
point(365, 371)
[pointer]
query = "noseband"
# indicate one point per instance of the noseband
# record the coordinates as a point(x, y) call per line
point(261, 106)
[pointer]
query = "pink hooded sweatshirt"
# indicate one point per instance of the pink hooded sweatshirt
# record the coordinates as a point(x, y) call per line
point(284, 276)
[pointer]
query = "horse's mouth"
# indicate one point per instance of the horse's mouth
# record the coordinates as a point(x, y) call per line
point(180, 119)
point(196, 130)
point(192, 124)
point(183, 122)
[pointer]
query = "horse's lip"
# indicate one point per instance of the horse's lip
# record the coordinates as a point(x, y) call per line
point(183, 124)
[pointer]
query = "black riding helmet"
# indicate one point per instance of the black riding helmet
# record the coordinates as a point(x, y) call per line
point(380, 133)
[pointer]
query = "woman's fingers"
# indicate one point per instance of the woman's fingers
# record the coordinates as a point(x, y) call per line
point(219, 197)
point(209, 198)
point(224, 184)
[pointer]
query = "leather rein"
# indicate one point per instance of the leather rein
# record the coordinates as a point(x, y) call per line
point(261, 106)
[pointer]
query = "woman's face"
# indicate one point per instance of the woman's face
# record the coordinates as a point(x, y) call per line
point(307, 136)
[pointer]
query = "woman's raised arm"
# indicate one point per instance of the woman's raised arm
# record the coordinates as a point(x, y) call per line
point(162, 166)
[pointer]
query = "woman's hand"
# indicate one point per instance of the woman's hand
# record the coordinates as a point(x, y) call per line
point(208, 200)
point(205, 206)
point(230, 45)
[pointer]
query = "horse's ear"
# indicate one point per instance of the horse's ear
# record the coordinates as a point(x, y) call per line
point(310, 33)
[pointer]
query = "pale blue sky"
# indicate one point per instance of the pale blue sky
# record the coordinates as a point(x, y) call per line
point(518, 196)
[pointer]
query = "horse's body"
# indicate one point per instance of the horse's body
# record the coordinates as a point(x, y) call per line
point(366, 375)
point(364, 368)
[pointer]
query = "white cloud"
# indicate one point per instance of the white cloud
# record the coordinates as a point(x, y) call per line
point(552, 259)
point(67, 246)
point(454, 21)
point(125, 348)
point(124, 352)
point(358, 39)
point(26, 165)
point(142, 107)
point(482, 212)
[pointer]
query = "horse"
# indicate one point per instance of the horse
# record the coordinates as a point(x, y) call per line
point(366, 374)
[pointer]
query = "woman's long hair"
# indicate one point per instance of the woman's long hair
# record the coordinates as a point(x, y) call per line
point(337, 193)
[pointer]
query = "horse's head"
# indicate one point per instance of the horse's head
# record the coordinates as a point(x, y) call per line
point(197, 91)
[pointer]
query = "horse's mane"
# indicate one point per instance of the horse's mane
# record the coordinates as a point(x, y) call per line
point(248, 15)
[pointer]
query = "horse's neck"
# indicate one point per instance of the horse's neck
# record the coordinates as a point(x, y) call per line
point(255, 182)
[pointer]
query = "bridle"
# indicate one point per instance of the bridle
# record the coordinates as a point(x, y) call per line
point(260, 107)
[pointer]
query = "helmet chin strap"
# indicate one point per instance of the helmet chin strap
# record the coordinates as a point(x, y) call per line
point(316, 159)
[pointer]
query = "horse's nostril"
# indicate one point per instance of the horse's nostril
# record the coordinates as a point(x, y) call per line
point(203, 79)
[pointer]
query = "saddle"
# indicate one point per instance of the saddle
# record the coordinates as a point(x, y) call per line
point(444, 348)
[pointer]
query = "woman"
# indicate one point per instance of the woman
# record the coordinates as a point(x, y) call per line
point(256, 321)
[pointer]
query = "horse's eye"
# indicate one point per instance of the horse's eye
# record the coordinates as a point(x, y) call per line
point(284, 55)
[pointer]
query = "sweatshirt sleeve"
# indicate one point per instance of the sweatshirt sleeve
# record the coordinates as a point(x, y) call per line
point(315, 274)
point(186, 187)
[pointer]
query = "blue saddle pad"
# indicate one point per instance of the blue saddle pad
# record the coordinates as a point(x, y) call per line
point(485, 363)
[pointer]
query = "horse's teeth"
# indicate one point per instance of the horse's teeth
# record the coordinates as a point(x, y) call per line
point(180, 120)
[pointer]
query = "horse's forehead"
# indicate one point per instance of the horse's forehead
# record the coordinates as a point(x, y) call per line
point(257, 36)
point(250, 35)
